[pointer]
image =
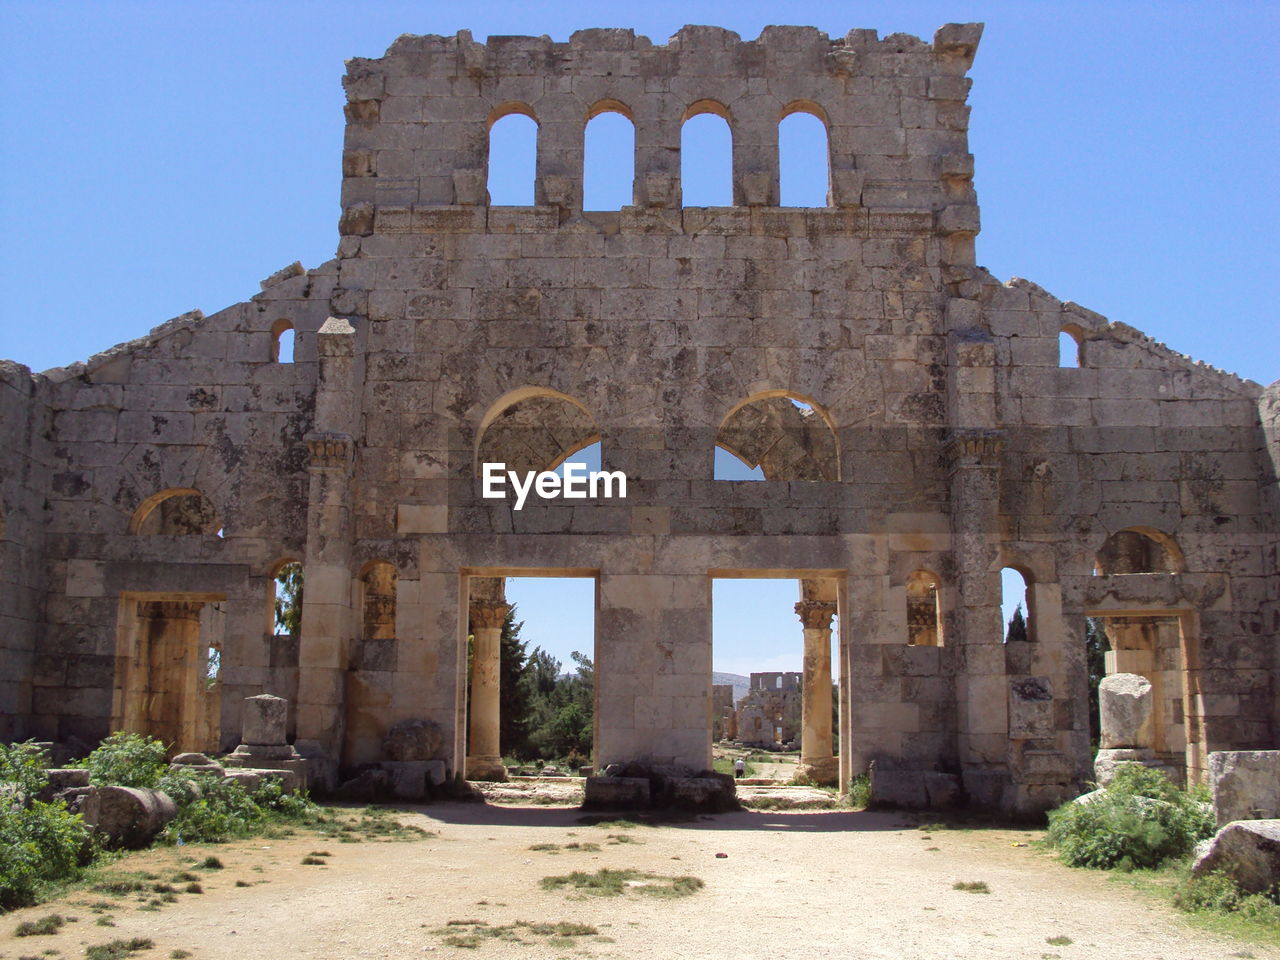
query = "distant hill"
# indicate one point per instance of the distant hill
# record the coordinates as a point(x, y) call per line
point(740, 683)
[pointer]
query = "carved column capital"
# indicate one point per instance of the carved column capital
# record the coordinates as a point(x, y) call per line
point(330, 450)
point(973, 448)
point(816, 614)
point(488, 614)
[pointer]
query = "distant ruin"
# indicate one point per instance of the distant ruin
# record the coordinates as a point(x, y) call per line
point(151, 494)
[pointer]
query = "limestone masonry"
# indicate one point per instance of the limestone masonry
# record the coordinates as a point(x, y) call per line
point(151, 493)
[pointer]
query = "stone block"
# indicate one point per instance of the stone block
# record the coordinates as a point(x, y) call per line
point(263, 720)
point(898, 788)
point(1245, 784)
point(60, 781)
point(413, 740)
point(1248, 851)
point(1107, 762)
point(408, 778)
point(711, 794)
point(1126, 704)
point(615, 792)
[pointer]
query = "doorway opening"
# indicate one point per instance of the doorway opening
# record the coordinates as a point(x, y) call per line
point(775, 706)
point(530, 674)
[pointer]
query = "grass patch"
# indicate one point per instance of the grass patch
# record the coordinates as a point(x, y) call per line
point(471, 934)
point(371, 823)
point(105, 922)
point(118, 949)
point(45, 926)
point(179, 954)
point(971, 886)
point(1059, 941)
point(210, 863)
point(613, 883)
point(314, 862)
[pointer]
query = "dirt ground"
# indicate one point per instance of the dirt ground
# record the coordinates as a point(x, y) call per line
point(792, 885)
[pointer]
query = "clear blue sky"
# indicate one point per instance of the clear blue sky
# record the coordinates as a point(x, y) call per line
point(163, 156)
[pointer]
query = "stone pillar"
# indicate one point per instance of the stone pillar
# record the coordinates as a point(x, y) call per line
point(817, 759)
point(326, 604)
point(484, 753)
point(981, 687)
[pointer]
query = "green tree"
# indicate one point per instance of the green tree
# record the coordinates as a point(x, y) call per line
point(513, 695)
point(1096, 647)
point(1017, 627)
point(289, 599)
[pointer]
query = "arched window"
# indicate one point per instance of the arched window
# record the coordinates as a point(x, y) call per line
point(1070, 346)
point(1139, 550)
point(609, 159)
point(1016, 605)
point(534, 429)
point(924, 610)
point(378, 600)
point(804, 159)
point(282, 337)
point(176, 512)
point(706, 156)
point(785, 437)
point(513, 156)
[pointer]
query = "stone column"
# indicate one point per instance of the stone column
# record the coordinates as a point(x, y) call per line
point(484, 754)
point(817, 759)
point(326, 603)
point(982, 696)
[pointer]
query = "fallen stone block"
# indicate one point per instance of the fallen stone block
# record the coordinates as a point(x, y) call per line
point(60, 781)
point(1107, 762)
point(370, 786)
point(408, 778)
point(1245, 784)
point(1248, 851)
point(708, 793)
point(615, 792)
point(130, 817)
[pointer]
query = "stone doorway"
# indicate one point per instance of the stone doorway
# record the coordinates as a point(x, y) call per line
point(792, 709)
point(168, 648)
point(489, 600)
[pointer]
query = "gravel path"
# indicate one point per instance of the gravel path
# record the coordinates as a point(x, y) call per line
point(794, 884)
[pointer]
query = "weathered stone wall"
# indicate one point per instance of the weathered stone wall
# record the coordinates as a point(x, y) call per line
point(943, 435)
point(25, 421)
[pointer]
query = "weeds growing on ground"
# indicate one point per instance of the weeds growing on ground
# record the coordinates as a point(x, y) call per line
point(971, 886)
point(118, 949)
point(45, 926)
point(612, 883)
point(563, 934)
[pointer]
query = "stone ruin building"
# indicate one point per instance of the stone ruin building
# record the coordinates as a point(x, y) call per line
point(771, 714)
point(151, 493)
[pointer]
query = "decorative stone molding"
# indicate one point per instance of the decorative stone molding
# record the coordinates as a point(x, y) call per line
point(170, 609)
point(973, 448)
point(816, 614)
point(330, 450)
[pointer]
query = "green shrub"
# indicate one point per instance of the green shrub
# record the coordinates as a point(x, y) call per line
point(860, 791)
point(39, 842)
point(1218, 893)
point(127, 760)
point(1140, 820)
